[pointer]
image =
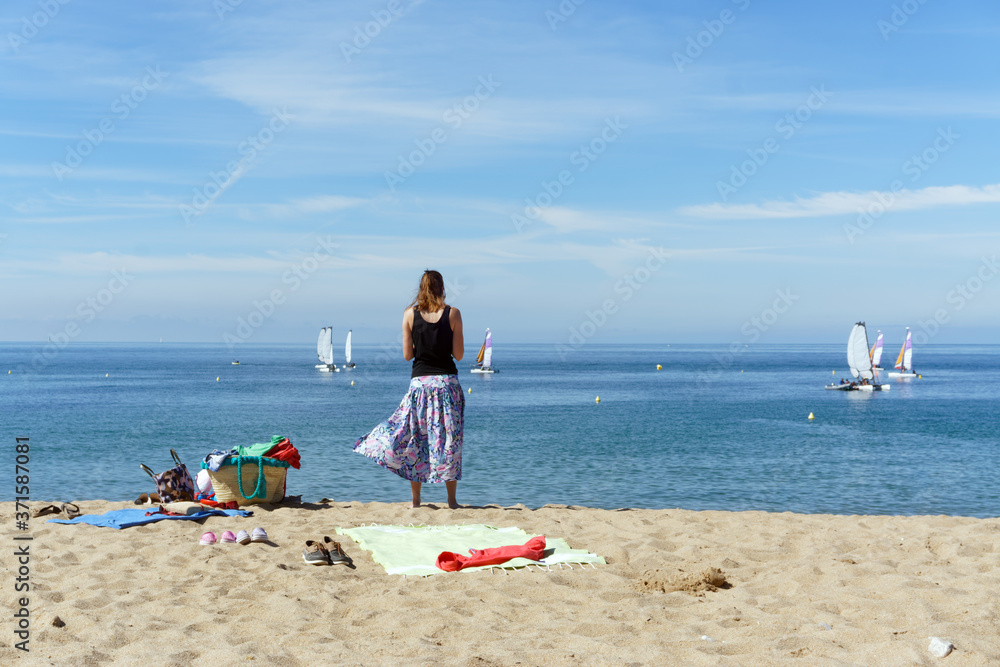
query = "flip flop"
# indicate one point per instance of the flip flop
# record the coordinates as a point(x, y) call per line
point(48, 509)
point(72, 511)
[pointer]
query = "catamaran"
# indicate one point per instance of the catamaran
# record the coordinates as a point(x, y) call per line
point(904, 364)
point(324, 350)
point(876, 353)
point(347, 351)
point(484, 360)
point(319, 347)
point(860, 363)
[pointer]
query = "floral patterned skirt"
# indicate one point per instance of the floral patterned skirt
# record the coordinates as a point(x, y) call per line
point(422, 440)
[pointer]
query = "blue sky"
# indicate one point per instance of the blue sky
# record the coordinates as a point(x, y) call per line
point(739, 140)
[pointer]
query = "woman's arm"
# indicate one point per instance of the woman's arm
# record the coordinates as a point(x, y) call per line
point(457, 338)
point(408, 334)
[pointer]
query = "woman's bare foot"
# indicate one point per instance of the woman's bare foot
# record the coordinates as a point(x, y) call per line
point(454, 506)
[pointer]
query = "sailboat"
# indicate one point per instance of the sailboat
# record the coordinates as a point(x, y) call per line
point(860, 363)
point(347, 351)
point(484, 360)
point(876, 353)
point(319, 347)
point(904, 364)
point(324, 350)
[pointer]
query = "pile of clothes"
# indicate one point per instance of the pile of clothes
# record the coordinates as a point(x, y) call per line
point(279, 448)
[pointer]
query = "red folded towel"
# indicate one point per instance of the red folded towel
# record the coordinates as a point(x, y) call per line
point(231, 505)
point(452, 562)
point(285, 451)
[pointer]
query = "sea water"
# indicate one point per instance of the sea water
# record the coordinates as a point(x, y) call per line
point(711, 430)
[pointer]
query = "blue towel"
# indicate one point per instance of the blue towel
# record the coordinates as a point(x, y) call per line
point(216, 458)
point(127, 518)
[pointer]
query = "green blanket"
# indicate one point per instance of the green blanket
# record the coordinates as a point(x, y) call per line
point(414, 549)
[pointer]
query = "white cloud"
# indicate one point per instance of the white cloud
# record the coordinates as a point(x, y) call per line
point(839, 203)
point(295, 207)
point(567, 220)
point(325, 203)
point(102, 262)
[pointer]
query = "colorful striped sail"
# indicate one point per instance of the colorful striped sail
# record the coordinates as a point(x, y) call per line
point(485, 357)
point(905, 360)
point(876, 353)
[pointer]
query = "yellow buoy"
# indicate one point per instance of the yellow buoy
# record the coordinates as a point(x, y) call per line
point(8, 372)
point(659, 367)
point(352, 383)
point(741, 371)
point(919, 377)
point(812, 416)
point(216, 379)
point(834, 372)
point(597, 400)
point(470, 390)
point(105, 375)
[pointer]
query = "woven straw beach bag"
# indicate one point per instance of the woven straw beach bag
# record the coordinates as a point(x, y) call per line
point(249, 480)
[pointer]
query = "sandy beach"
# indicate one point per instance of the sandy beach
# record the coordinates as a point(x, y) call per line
point(790, 589)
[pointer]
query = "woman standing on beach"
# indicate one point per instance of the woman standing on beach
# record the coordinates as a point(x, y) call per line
point(422, 440)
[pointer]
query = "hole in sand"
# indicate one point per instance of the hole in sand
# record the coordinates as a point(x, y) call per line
point(710, 579)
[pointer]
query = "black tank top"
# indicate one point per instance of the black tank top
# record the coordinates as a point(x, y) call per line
point(432, 344)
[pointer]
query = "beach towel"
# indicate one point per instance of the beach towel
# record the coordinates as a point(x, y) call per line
point(127, 518)
point(414, 550)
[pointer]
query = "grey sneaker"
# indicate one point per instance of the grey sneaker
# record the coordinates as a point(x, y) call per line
point(336, 552)
point(315, 554)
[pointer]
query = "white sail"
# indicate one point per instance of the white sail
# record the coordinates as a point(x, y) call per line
point(327, 357)
point(319, 343)
point(347, 348)
point(857, 353)
point(488, 350)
